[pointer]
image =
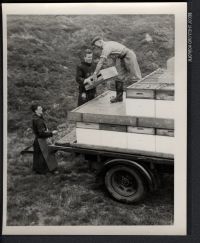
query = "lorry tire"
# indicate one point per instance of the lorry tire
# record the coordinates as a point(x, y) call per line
point(125, 184)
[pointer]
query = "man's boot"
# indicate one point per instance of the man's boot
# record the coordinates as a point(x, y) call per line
point(119, 92)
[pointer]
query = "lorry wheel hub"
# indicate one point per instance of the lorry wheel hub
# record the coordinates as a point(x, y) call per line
point(125, 181)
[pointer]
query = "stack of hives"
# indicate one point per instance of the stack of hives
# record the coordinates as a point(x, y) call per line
point(152, 101)
point(143, 122)
point(153, 105)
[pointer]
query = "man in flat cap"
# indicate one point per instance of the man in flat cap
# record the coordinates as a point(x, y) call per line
point(125, 61)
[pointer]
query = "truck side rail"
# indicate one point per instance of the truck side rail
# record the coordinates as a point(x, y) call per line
point(139, 156)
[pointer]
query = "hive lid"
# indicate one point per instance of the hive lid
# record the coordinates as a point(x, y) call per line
point(160, 79)
point(152, 86)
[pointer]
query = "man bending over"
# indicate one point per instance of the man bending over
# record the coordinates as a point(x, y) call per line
point(125, 61)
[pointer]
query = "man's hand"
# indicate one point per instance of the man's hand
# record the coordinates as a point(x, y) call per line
point(87, 81)
point(54, 132)
point(83, 96)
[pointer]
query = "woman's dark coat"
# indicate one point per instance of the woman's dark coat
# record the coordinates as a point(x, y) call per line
point(43, 160)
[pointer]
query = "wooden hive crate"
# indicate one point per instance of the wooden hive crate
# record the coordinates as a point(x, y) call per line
point(102, 134)
point(165, 141)
point(127, 137)
point(113, 135)
point(151, 97)
point(141, 138)
point(88, 136)
point(87, 133)
point(104, 74)
point(165, 102)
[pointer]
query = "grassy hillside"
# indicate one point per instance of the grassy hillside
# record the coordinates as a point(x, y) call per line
point(43, 52)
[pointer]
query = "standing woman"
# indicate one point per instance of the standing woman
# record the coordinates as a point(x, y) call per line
point(43, 160)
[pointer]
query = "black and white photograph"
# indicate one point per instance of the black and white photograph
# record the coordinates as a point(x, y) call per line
point(95, 108)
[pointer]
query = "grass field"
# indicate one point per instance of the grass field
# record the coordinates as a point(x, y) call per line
point(70, 198)
point(43, 52)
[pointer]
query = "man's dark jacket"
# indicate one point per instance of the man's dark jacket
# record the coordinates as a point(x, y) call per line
point(83, 71)
point(42, 160)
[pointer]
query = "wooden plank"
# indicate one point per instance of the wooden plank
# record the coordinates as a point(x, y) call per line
point(112, 127)
point(155, 122)
point(87, 125)
point(140, 94)
point(125, 151)
point(164, 94)
point(140, 107)
point(141, 142)
point(74, 116)
point(141, 130)
point(165, 132)
point(110, 119)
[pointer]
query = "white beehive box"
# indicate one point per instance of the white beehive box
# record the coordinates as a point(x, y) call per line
point(165, 144)
point(124, 140)
point(140, 107)
point(113, 139)
point(164, 109)
point(151, 97)
point(88, 136)
point(165, 141)
point(141, 142)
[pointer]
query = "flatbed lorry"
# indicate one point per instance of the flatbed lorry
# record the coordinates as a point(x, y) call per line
point(129, 151)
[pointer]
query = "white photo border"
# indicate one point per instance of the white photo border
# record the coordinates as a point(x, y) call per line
point(180, 162)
